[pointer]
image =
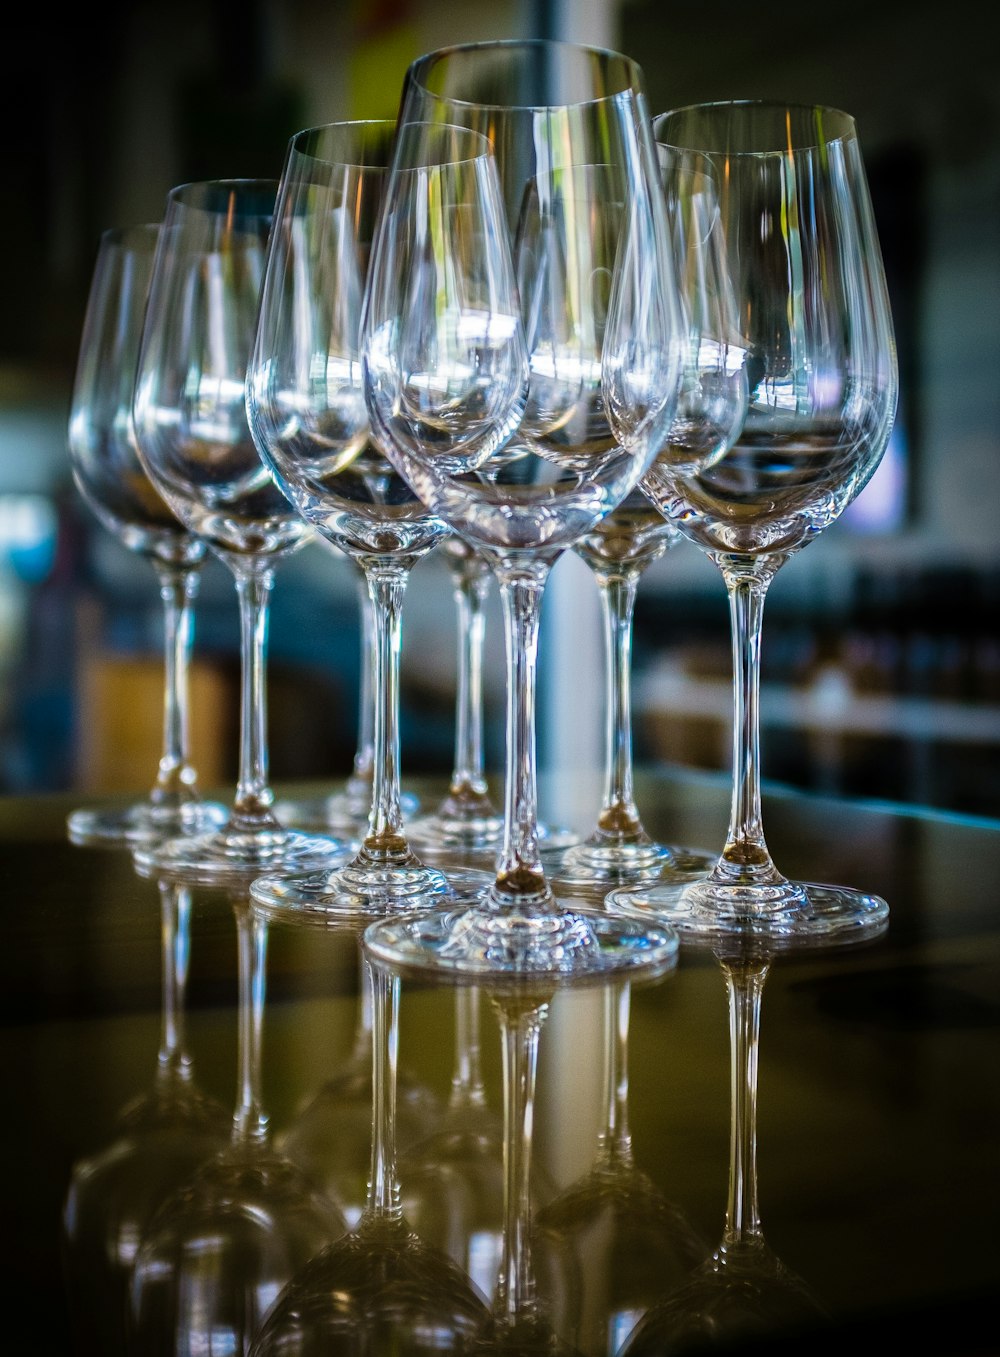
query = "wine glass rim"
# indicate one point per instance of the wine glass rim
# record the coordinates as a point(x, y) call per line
point(635, 90)
point(187, 192)
point(844, 132)
point(125, 233)
point(379, 125)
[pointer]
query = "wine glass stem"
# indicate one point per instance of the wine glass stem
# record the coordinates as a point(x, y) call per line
point(746, 851)
point(520, 1029)
point(519, 869)
point(175, 779)
point(250, 1122)
point(745, 986)
point(470, 581)
point(619, 816)
point(359, 783)
point(383, 1188)
point(175, 935)
point(254, 797)
point(387, 586)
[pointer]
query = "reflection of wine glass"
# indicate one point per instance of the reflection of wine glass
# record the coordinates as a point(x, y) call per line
point(380, 1288)
point(330, 1136)
point(308, 417)
point(525, 484)
point(608, 1246)
point(452, 1180)
point(191, 429)
point(742, 1291)
point(813, 315)
point(109, 476)
point(346, 811)
point(625, 544)
point(161, 1137)
point(219, 1250)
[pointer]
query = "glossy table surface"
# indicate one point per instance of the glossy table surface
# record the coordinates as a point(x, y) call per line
point(877, 1118)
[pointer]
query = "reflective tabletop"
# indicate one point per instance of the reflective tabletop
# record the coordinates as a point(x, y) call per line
point(786, 1150)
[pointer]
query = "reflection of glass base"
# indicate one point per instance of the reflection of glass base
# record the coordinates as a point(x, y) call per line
point(554, 944)
point(593, 863)
point(341, 812)
point(142, 822)
point(365, 890)
point(229, 856)
point(784, 913)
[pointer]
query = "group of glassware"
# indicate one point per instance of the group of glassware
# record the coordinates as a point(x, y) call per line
point(523, 318)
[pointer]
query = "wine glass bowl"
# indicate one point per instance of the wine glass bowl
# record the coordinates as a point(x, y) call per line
point(195, 444)
point(110, 479)
point(812, 329)
point(519, 309)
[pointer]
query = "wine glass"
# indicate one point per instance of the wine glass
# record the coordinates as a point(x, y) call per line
point(625, 544)
point(610, 1245)
point(307, 413)
point(816, 331)
point(578, 336)
point(380, 1288)
point(109, 477)
point(193, 440)
point(221, 1247)
point(160, 1138)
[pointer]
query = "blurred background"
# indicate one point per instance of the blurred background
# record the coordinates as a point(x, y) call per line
point(881, 657)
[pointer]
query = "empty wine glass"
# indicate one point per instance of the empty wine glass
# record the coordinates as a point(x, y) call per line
point(380, 1288)
point(107, 473)
point(193, 440)
point(308, 417)
point(161, 1137)
point(625, 544)
point(493, 400)
point(610, 1245)
point(816, 332)
point(220, 1248)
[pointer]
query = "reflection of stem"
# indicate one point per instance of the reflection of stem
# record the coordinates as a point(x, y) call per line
point(173, 1062)
point(519, 869)
point(467, 1088)
point(254, 797)
point(616, 1137)
point(383, 1188)
point(745, 986)
point(175, 779)
point(521, 1024)
point(250, 1124)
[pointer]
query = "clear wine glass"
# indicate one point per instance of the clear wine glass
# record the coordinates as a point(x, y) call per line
point(220, 1248)
point(308, 416)
point(625, 544)
point(816, 332)
point(563, 121)
point(193, 440)
point(161, 1137)
point(109, 477)
point(610, 1245)
point(380, 1288)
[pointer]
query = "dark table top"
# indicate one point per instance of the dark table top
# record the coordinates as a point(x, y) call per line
point(878, 1105)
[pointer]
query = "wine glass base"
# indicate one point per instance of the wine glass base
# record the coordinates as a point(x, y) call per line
point(338, 813)
point(452, 834)
point(141, 823)
point(593, 865)
point(363, 891)
point(562, 944)
point(792, 913)
point(227, 857)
